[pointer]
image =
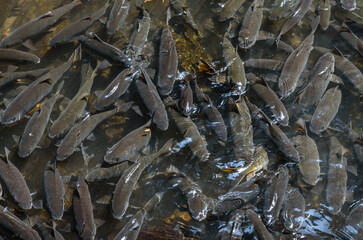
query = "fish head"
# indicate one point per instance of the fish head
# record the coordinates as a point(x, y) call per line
point(9, 118)
point(65, 149)
point(25, 151)
point(348, 5)
point(245, 39)
point(317, 127)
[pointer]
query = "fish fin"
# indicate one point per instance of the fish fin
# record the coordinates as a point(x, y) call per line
point(91, 137)
point(38, 204)
point(48, 80)
point(111, 184)
point(122, 106)
point(104, 64)
point(352, 169)
point(7, 153)
point(12, 68)
point(32, 220)
point(300, 126)
point(29, 44)
point(103, 20)
point(98, 93)
point(350, 194)
point(137, 110)
point(336, 79)
point(168, 16)
point(86, 156)
point(99, 222)
point(16, 138)
point(6, 102)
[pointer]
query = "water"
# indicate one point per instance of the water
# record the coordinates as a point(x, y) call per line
point(170, 218)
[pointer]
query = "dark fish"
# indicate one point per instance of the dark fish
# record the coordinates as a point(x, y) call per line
point(79, 132)
point(258, 226)
point(129, 178)
point(54, 191)
point(293, 212)
point(168, 60)
point(214, 116)
point(35, 92)
point(16, 56)
point(76, 106)
point(350, 38)
point(275, 195)
point(233, 230)
point(251, 25)
point(348, 5)
point(115, 89)
point(36, 125)
point(118, 14)
point(324, 10)
point(237, 196)
point(280, 8)
point(181, 9)
point(190, 132)
point(15, 182)
point(268, 64)
point(82, 205)
point(93, 42)
point(270, 99)
point(9, 221)
point(102, 173)
point(8, 77)
point(152, 101)
point(229, 9)
point(326, 110)
point(186, 97)
point(37, 25)
point(128, 146)
point(139, 36)
point(356, 139)
point(77, 28)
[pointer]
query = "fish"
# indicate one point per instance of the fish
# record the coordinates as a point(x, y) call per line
point(233, 230)
point(336, 189)
point(139, 36)
point(196, 199)
point(270, 98)
point(251, 25)
point(95, 44)
point(17, 57)
point(82, 204)
point(350, 38)
point(241, 129)
point(189, 130)
point(258, 226)
point(324, 9)
point(54, 190)
point(355, 138)
point(298, 11)
point(102, 173)
point(293, 212)
point(77, 28)
point(346, 68)
point(326, 110)
point(152, 101)
point(237, 196)
point(296, 63)
point(79, 132)
point(118, 14)
point(308, 155)
point(317, 82)
point(132, 228)
point(8, 77)
point(36, 91)
point(10, 221)
point(186, 96)
point(15, 182)
point(280, 8)
point(348, 5)
point(267, 64)
point(181, 9)
point(128, 147)
point(354, 221)
point(76, 106)
point(168, 60)
point(37, 25)
point(236, 71)
point(115, 89)
point(129, 178)
point(229, 9)
point(275, 195)
point(211, 112)
point(36, 125)
point(275, 133)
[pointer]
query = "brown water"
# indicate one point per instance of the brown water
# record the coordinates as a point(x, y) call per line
point(170, 216)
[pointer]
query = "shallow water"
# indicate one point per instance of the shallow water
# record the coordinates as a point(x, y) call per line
point(170, 218)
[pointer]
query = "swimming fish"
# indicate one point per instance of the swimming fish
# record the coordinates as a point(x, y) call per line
point(118, 14)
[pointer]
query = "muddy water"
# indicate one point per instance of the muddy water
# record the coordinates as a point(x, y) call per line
point(170, 218)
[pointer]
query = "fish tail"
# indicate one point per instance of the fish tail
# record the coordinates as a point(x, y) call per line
point(167, 148)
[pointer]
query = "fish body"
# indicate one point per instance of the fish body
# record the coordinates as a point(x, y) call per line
point(324, 9)
point(258, 226)
point(79, 132)
point(128, 146)
point(78, 27)
point(115, 89)
point(326, 110)
point(9, 221)
point(153, 102)
point(129, 178)
point(275, 196)
point(54, 191)
point(8, 77)
point(229, 9)
point(16, 56)
point(37, 25)
point(280, 8)
point(35, 92)
point(118, 14)
point(251, 25)
point(102, 173)
point(139, 36)
point(293, 212)
point(236, 71)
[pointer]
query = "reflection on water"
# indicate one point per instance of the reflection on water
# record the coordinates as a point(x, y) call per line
point(170, 218)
